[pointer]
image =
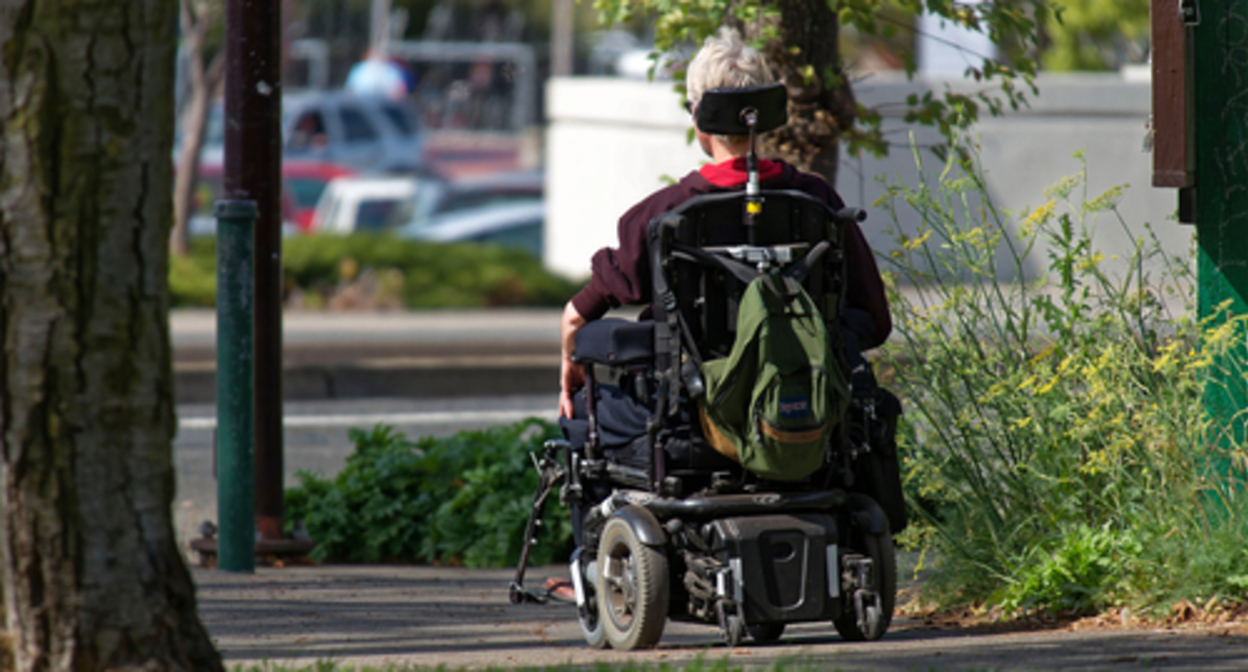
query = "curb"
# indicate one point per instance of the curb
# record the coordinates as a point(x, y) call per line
point(414, 377)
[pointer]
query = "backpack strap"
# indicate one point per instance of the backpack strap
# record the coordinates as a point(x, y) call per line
point(739, 270)
point(800, 269)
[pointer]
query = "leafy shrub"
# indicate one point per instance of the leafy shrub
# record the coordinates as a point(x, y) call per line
point(1076, 576)
point(462, 499)
point(434, 275)
point(1055, 434)
point(193, 278)
point(430, 275)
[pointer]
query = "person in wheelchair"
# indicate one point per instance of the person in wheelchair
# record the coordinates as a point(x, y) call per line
point(715, 466)
point(620, 275)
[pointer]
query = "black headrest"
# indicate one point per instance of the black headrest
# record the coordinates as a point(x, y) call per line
point(721, 111)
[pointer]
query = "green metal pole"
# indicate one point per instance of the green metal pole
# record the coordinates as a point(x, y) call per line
point(236, 500)
point(1220, 52)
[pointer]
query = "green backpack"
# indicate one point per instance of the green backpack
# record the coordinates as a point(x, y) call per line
point(772, 401)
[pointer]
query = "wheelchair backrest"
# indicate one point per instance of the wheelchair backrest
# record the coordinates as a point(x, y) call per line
point(706, 297)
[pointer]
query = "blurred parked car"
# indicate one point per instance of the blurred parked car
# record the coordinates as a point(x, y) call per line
point(484, 190)
point(365, 203)
point(210, 187)
point(305, 182)
point(475, 192)
point(516, 224)
point(364, 133)
point(361, 133)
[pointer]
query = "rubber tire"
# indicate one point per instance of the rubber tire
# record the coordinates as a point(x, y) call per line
point(766, 633)
point(595, 635)
point(878, 547)
point(590, 620)
point(734, 631)
point(635, 623)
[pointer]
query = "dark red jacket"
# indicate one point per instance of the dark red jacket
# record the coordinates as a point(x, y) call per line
point(621, 275)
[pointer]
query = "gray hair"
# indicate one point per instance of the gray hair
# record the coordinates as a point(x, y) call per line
point(725, 60)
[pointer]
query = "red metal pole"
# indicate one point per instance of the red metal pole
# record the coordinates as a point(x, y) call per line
point(253, 160)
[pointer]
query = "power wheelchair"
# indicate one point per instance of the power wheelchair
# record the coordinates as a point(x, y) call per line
point(667, 527)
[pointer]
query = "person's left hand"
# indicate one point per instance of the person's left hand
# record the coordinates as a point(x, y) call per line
point(571, 378)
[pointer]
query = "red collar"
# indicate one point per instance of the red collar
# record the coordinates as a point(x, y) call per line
point(731, 173)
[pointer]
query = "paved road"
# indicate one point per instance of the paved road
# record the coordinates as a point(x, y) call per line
point(191, 328)
point(458, 617)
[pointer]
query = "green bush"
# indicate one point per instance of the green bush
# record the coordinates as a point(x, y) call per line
point(193, 278)
point(462, 499)
point(1055, 439)
point(430, 275)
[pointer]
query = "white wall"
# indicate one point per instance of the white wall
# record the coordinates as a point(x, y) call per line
point(610, 140)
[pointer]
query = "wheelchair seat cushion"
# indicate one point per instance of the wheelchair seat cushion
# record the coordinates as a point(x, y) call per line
point(615, 342)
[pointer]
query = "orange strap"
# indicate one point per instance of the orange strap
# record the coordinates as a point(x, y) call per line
point(793, 437)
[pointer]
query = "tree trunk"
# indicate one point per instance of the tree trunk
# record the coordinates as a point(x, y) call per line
point(91, 571)
point(821, 105)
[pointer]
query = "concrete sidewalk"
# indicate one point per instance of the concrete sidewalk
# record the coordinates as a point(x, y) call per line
point(378, 354)
point(405, 615)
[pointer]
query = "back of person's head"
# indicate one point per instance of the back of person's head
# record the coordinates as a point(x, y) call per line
point(725, 61)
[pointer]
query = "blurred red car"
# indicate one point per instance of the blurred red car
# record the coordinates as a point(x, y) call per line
point(303, 182)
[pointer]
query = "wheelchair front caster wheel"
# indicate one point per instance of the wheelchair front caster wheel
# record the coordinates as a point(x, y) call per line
point(734, 630)
point(881, 581)
point(587, 614)
point(633, 588)
point(591, 624)
point(765, 633)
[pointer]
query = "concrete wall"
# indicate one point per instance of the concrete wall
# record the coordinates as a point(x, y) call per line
point(610, 142)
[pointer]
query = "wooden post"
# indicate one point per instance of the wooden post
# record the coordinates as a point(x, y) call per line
point(1171, 125)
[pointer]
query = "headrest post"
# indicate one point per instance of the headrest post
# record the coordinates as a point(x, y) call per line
point(753, 202)
point(748, 110)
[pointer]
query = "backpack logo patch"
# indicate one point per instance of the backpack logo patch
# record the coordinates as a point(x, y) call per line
point(792, 408)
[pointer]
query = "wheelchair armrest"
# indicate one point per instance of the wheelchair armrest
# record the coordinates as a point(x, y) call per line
point(615, 342)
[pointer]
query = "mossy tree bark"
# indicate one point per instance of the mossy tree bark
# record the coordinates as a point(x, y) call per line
point(91, 572)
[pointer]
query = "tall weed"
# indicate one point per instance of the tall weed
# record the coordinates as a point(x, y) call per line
point(1056, 444)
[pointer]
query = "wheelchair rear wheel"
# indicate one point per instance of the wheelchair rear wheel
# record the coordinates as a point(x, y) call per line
point(633, 588)
point(879, 548)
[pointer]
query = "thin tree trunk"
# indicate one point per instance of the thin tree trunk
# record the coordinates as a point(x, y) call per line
point(204, 82)
point(186, 177)
point(92, 575)
point(821, 104)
